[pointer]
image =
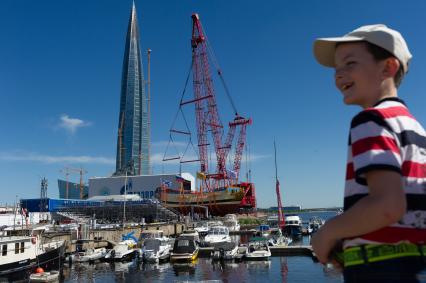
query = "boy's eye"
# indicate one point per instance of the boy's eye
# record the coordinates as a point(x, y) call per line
point(350, 63)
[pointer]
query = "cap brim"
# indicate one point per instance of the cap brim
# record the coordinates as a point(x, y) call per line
point(324, 48)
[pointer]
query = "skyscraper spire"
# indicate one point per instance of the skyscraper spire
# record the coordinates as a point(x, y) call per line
point(133, 140)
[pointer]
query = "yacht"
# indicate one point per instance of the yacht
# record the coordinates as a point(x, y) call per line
point(258, 249)
point(124, 250)
point(217, 234)
point(293, 226)
point(155, 250)
point(231, 222)
point(90, 255)
point(185, 248)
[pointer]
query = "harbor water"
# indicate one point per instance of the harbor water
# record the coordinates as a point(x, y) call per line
point(277, 269)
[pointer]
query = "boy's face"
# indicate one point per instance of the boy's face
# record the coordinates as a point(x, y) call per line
point(358, 75)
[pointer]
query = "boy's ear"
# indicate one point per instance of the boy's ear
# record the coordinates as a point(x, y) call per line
point(391, 67)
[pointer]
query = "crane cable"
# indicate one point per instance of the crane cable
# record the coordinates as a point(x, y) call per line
point(219, 71)
point(184, 119)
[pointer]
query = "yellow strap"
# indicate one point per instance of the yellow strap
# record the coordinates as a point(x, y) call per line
point(374, 253)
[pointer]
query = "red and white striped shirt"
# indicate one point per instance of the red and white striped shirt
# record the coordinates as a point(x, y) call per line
point(387, 137)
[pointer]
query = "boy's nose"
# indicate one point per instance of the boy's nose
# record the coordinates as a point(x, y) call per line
point(338, 73)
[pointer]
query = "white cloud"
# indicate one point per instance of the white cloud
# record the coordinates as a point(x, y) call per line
point(35, 157)
point(72, 124)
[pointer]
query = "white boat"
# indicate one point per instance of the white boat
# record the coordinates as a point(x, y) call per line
point(231, 222)
point(276, 238)
point(50, 276)
point(226, 251)
point(258, 249)
point(124, 250)
point(90, 255)
point(217, 234)
point(155, 250)
point(185, 248)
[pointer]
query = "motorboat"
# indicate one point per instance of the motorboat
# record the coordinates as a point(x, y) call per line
point(124, 250)
point(293, 226)
point(217, 234)
point(90, 255)
point(315, 224)
point(48, 276)
point(231, 222)
point(226, 251)
point(191, 233)
point(155, 250)
point(258, 249)
point(185, 248)
point(276, 238)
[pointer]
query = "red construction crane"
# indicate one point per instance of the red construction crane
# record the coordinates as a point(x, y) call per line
point(210, 130)
point(207, 115)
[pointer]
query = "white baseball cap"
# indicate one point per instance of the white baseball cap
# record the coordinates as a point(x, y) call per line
point(380, 35)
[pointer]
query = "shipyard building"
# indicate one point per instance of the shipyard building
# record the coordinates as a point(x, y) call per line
point(145, 186)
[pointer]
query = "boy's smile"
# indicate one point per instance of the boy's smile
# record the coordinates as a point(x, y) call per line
point(358, 75)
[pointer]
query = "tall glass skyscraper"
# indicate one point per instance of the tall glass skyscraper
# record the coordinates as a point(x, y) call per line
point(133, 127)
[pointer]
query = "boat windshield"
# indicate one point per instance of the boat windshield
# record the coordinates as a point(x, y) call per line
point(202, 224)
point(152, 244)
point(150, 235)
point(218, 231)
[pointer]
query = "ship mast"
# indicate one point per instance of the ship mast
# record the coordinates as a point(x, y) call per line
point(281, 221)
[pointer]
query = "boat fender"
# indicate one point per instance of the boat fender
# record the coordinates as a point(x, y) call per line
point(39, 270)
point(33, 240)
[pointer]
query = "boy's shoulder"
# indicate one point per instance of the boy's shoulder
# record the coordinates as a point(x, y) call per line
point(388, 108)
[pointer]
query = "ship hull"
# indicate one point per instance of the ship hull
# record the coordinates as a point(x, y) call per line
point(219, 203)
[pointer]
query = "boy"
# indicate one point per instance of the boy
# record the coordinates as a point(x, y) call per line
point(383, 228)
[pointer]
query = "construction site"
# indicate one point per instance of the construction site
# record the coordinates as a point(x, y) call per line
point(217, 188)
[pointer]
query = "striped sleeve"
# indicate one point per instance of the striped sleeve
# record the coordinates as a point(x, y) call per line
point(374, 144)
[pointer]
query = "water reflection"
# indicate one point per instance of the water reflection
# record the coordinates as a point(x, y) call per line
point(258, 265)
point(184, 268)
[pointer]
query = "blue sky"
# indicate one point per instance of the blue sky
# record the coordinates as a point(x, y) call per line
point(60, 72)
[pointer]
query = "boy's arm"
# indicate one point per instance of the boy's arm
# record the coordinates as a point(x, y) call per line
point(384, 205)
